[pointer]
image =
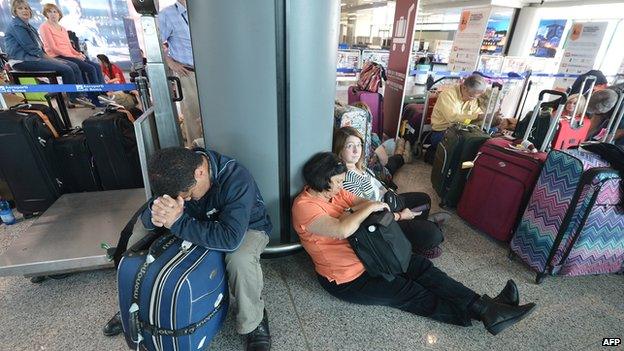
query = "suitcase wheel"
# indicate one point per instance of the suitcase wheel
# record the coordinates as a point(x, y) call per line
point(38, 279)
point(510, 255)
point(539, 278)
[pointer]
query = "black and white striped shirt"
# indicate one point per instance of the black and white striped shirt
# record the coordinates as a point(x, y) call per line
point(362, 185)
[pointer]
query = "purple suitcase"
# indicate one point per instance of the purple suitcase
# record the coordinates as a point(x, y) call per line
point(574, 221)
point(374, 101)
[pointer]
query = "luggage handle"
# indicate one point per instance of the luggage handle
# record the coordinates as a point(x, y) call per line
point(486, 126)
point(524, 99)
point(45, 120)
point(614, 121)
point(553, 123)
point(179, 95)
point(526, 87)
point(117, 252)
point(20, 106)
point(593, 80)
point(430, 86)
point(563, 95)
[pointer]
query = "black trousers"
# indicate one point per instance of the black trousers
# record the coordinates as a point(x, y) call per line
point(423, 234)
point(394, 163)
point(423, 290)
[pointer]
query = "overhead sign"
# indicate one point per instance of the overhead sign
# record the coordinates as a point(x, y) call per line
point(468, 39)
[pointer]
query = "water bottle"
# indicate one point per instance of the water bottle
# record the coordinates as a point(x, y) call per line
point(6, 214)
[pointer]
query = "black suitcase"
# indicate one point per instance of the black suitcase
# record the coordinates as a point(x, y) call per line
point(460, 143)
point(111, 139)
point(27, 161)
point(75, 163)
point(52, 115)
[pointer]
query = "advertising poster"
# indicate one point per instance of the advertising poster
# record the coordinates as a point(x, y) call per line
point(379, 56)
point(490, 64)
point(495, 38)
point(548, 38)
point(134, 48)
point(579, 53)
point(403, 30)
point(468, 39)
point(348, 61)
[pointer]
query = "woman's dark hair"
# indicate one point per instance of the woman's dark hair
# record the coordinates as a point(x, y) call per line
point(172, 170)
point(108, 64)
point(319, 169)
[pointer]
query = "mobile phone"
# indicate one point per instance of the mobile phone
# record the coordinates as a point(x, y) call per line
point(420, 208)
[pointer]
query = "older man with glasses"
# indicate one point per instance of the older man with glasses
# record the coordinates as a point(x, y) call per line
point(456, 104)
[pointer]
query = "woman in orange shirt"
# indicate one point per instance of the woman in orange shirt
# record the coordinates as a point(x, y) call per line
point(56, 43)
point(325, 215)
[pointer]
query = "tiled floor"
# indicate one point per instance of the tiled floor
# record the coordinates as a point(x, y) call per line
point(573, 313)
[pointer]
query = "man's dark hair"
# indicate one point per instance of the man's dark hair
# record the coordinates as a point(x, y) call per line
point(319, 169)
point(172, 170)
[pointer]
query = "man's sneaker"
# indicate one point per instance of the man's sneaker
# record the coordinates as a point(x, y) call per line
point(106, 100)
point(84, 102)
point(260, 338)
point(433, 253)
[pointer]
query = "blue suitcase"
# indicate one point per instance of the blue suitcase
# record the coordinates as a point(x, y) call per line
point(173, 295)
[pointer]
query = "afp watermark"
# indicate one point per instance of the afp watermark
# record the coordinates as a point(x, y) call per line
point(611, 342)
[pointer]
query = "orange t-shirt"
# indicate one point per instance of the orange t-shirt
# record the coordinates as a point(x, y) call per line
point(333, 258)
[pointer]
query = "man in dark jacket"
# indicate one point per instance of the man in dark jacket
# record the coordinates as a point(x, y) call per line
point(213, 201)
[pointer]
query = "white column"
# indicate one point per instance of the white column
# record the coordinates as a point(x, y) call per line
point(524, 32)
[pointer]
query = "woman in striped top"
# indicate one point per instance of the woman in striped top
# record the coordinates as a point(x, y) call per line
point(424, 234)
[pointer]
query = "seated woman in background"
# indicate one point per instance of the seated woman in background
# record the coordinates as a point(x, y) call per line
point(26, 53)
point(112, 73)
point(57, 44)
point(325, 215)
point(424, 235)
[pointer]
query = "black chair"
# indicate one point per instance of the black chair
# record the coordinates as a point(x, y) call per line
point(52, 76)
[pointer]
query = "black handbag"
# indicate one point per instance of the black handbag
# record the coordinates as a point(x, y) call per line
point(391, 197)
point(393, 200)
point(381, 245)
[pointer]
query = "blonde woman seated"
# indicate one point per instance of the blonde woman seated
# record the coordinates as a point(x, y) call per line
point(325, 215)
point(425, 235)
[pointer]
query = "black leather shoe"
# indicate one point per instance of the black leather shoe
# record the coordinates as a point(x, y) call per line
point(509, 295)
point(113, 327)
point(260, 338)
point(497, 316)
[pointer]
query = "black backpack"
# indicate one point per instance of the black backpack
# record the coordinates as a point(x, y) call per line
point(381, 245)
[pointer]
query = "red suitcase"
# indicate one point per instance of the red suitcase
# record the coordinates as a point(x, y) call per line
point(573, 131)
point(570, 135)
point(374, 101)
point(501, 182)
point(499, 187)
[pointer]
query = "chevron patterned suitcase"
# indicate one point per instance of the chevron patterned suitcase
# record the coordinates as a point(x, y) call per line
point(574, 222)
